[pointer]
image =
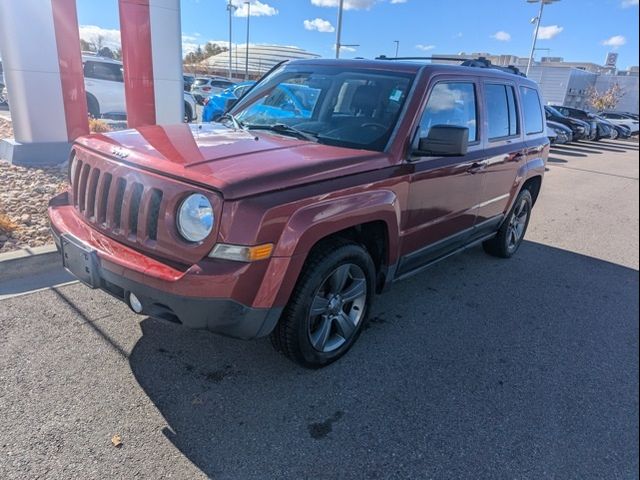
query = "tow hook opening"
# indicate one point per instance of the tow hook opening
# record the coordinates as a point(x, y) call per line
point(135, 303)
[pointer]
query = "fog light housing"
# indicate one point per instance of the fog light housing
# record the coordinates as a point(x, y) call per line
point(135, 303)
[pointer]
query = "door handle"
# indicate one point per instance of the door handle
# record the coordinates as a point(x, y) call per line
point(476, 167)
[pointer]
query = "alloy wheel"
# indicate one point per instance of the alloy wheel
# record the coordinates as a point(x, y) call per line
point(337, 308)
point(517, 224)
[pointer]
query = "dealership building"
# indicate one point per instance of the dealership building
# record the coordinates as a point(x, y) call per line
point(568, 83)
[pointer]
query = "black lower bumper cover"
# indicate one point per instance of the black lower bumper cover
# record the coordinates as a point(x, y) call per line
point(219, 315)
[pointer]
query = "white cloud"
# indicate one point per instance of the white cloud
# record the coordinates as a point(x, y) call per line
point(630, 3)
point(344, 48)
point(547, 33)
point(395, 2)
point(319, 25)
point(348, 4)
point(458, 35)
point(616, 41)
point(502, 36)
point(425, 48)
point(258, 9)
point(108, 37)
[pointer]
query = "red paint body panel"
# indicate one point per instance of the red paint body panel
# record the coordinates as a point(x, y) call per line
point(135, 32)
point(230, 161)
point(65, 23)
point(275, 189)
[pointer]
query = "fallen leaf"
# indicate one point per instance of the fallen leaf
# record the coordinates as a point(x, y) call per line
point(116, 440)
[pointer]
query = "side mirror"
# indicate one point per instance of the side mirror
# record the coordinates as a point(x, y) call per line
point(444, 141)
point(229, 104)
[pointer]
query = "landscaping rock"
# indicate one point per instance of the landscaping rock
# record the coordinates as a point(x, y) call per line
point(24, 198)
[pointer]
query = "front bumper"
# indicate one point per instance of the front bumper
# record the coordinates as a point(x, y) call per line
point(102, 263)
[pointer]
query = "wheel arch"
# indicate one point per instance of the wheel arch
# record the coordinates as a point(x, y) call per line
point(533, 184)
point(371, 219)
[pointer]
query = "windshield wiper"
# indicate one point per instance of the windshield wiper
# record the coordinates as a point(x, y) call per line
point(285, 130)
point(237, 124)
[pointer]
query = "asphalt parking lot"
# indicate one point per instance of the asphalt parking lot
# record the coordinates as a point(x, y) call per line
point(477, 368)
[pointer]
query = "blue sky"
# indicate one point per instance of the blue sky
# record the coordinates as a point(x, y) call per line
point(577, 30)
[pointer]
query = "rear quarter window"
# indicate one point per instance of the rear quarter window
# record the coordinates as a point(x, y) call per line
point(531, 110)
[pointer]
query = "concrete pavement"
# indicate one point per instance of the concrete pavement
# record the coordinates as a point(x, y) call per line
point(477, 368)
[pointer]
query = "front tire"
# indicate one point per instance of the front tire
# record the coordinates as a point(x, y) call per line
point(329, 305)
point(506, 243)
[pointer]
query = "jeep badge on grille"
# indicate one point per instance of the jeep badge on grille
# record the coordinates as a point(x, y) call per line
point(120, 152)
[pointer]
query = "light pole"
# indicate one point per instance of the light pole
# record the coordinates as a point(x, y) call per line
point(230, 8)
point(537, 21)
point(397, 42)
point(246, 49)
point(339, 29)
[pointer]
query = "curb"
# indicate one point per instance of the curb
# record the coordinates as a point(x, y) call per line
point(28, 261)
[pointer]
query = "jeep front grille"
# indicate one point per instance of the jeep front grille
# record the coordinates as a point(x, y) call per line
point(133, 206)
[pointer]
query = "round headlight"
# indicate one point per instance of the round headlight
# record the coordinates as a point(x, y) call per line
point(195, 218)
point(73, 163)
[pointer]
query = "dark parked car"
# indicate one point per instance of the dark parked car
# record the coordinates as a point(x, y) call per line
point(561, 133)
point(289, 228)
point(580, 130)
point(579, 114)
point(617, 131)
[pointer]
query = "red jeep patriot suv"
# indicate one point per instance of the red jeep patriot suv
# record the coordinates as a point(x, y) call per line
point(326, 182)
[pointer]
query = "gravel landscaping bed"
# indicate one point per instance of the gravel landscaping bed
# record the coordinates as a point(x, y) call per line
point(24, 196)
point(5, 129)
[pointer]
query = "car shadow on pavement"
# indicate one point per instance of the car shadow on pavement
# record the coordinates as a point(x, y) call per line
point(556, 160)
point(568, 152)
point(478, 367)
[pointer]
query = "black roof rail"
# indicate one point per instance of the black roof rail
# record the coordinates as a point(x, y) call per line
point(480, 62)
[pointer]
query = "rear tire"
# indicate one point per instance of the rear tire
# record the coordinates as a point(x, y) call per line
point(188, 113)
point(510, 235)
point(329, 305)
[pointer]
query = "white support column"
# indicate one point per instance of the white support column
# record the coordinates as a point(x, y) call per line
point(45, 117)
point(166, 52)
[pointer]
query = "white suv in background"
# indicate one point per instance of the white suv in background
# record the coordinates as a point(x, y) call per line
point(104, 83)
point(623, 120)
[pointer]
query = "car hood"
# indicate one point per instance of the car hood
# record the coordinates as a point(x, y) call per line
point(558, 126)
point(234, 162)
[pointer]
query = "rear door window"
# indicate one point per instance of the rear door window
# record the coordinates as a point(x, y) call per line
point(103, 71)
point(451, 103)
point(502, 115)
point(532, 111)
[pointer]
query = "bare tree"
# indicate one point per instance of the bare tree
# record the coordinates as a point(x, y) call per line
point(86, 46)
point(99, 43)
point(607, 100)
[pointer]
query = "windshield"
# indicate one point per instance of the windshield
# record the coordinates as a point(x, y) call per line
point(201, 81)
point(554, 111)
point(357, 108)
